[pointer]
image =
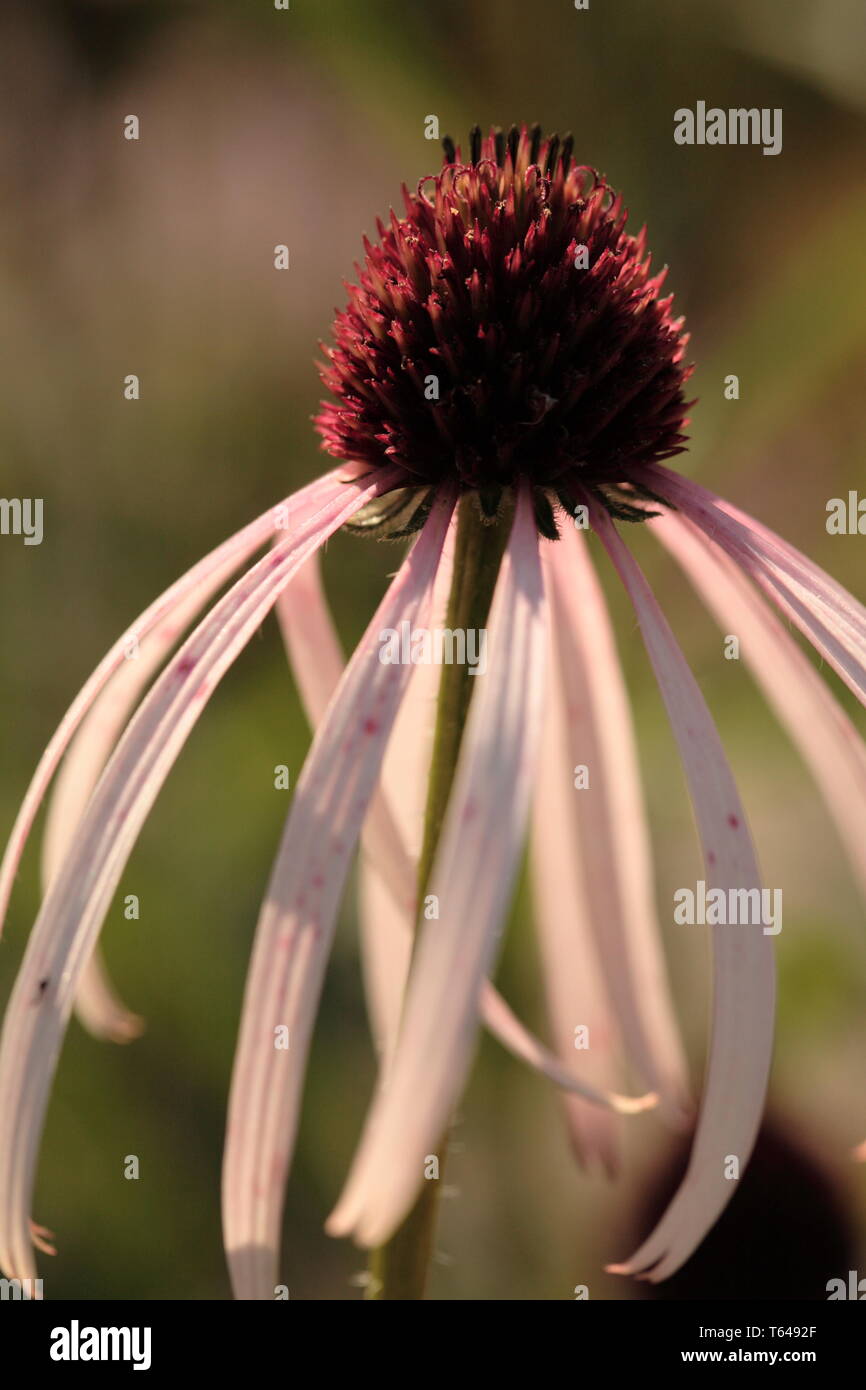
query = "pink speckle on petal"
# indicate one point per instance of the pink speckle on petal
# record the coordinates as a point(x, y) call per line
point(734, 821)
point(318, 881)
point(185, 665)
point(370, 726)
point(711, 856)
point(469, 811)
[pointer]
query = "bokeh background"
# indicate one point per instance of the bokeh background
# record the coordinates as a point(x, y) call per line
point(155, 257)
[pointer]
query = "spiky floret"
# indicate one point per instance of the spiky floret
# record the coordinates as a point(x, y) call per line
point(507, 326)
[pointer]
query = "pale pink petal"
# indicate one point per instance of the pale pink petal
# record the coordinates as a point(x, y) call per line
point(407, 758)
point(478, 856)
point(388, 870)
point(97, 1004)
point(317, 663)
point(100, 1009)
point(831, 618)
point(43, 1239)
point(386, 963)
point(296, 926)
point(609, 820)
point(743, 972)
point(388, 921)
point(525, 1046)
point(241, 546)
point(386, 951)
point(311, 641)
point(69, 920)
point(824, 735)
point(574, 987)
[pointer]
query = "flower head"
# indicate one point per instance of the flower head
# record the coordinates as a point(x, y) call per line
point(507, 327)
point(555, 381)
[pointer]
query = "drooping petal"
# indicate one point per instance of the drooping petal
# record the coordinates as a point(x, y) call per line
point(296, 926)
point(100, 1009)
point(389, 873)
point(478, 855)
point(818, 726)
point(316, 660)
point(831, 618)
point(42, 1238)
point(609, 819)
point(386, 951)
point(97, 1004)
point(311, 642)
point(526, 1047)
point(576, 994)
point(387, 870)
point(388, 922)
point(242, 545)
point(387, 963)
point(743, 971)
point(71, 915)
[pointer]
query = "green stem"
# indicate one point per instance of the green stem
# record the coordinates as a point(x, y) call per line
point(399, 1269)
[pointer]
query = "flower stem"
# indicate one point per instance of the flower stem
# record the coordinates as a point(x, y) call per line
point(399, 1268)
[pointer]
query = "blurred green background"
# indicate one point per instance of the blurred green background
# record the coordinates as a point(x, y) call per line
point(155, 257)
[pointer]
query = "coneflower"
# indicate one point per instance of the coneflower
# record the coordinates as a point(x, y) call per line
point(505, 375)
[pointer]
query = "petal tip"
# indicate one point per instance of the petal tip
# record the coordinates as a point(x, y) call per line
point(634, 1105)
